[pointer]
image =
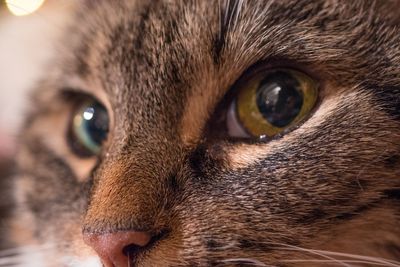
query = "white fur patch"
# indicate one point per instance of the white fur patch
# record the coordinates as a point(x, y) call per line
point(76, 262)
point(32, 257)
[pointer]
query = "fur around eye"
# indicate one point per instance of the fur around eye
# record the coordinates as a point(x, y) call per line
point(88, 128)
point(270, 103)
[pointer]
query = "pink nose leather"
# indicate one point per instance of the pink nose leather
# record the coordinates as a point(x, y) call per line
point(110, 247)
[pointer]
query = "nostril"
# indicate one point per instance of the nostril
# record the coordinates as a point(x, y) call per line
point(131, 249)
point(117, 249)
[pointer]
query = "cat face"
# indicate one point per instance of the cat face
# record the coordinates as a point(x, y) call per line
point(215, 134)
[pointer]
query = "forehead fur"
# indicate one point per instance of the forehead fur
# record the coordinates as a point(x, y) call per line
point(162, 54)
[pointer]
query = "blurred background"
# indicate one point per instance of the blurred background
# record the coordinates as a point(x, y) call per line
point(28, 30)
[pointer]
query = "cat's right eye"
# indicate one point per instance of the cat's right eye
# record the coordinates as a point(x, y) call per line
point(88, 128)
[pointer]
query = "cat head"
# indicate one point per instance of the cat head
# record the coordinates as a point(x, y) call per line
point(221, 133)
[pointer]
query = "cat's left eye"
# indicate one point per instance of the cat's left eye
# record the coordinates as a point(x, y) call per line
point(270, 103)
point(88, 128)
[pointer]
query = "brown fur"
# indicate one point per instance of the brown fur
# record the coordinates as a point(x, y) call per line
point(163, 69)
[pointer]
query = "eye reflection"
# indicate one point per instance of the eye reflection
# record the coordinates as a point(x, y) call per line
point(88, 114)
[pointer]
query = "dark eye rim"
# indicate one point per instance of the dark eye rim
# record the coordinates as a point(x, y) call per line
point(256, 69)
point(273, 64)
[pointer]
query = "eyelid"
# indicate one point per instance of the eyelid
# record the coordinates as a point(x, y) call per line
point(76, 95)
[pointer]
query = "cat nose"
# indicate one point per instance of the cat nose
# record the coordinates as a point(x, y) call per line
point(114, 248)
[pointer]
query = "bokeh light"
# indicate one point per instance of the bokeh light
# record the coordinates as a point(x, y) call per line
point(23, 7)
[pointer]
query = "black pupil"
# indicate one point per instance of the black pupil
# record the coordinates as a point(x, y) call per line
point(279, 98)
point(96, 122)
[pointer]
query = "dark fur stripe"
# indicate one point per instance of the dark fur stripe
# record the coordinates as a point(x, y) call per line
point(388, 97)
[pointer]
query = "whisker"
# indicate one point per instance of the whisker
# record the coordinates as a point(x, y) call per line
point(9, 252)
point(9, 260)
point(247, 261)
point(14, 251)
point(329, 261)
point(14, 257)
point(326, 254)
point(318, 253)
point(362, 257)
point(25, 250)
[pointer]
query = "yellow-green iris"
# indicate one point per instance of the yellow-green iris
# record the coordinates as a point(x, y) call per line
point(275, 100)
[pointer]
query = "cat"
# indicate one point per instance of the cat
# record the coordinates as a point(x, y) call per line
point(214, 133)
